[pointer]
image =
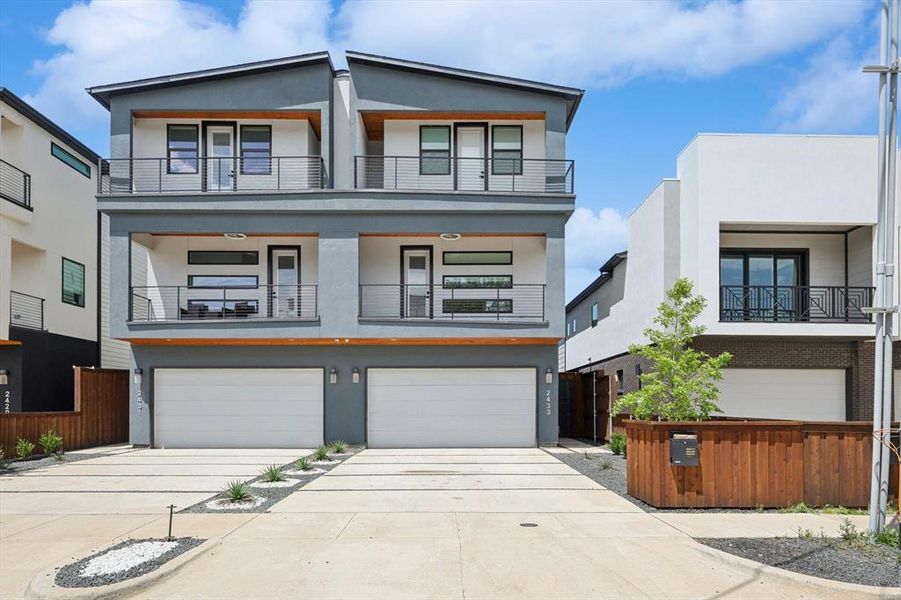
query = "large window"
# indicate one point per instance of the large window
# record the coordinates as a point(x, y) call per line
point(223, 257)
point(69, 158)
point(181, 149)
point(434, 150)
point(73, 282)
point(762, 285)
point(256, 150)
point(506, 150)
point(470, 258)
point(477, 281)
point(223, 281)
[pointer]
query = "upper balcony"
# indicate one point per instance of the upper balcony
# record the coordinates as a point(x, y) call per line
point(15, 185)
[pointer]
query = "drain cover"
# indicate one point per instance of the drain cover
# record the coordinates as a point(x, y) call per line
point(528, 524)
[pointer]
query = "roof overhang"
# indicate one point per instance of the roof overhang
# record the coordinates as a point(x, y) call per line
point(313, 116)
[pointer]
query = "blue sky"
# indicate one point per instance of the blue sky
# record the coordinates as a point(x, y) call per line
point(656, 73)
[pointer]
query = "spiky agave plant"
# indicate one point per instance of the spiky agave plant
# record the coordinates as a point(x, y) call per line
point(273, 473)
point(237, 491)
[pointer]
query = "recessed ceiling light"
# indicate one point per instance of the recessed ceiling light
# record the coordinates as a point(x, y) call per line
point(235, 236)
point(450, 237)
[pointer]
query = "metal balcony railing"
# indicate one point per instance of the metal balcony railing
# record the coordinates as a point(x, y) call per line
point(527, 175)
point(392, 302)
point(795, 303)
point(211, 174)
point(26, 310)
point(183, 303)
point(15, 184)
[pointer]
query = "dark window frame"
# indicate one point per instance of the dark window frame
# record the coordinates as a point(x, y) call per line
point(169, 149)
point(435, 158)
point(476, 264)
point(449, 287)
point(256, 279)
point(507, 302)
point(241, 150)
point(63, 282)
point(254, 301)
point(517, 162)
point(803, 261)
point(255, 253)
point(54, 147)
point(595, 313)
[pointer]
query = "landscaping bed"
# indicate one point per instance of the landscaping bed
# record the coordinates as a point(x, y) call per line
point(831, 558)
point(609, 470)
point(257, 495)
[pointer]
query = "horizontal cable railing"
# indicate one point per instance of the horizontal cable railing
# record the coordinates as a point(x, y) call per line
point(26, 310)
point(794, 303)
point(520, 302)
point(184, 303)
point(15, 184)
point(211, 174)
point(428, 173)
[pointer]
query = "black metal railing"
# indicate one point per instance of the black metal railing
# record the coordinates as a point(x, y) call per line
point(795, 303)
point(392, 302)
point(211, 174)
point(15, 184)
point(528, 175)
point(26, 310)
point(183, 303)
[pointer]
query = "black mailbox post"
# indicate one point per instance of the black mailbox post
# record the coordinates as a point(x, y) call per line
point(683, 449)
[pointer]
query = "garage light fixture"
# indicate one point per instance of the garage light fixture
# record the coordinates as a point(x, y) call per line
point(333, 375)
point(549, 376)
point(4, 377)
point(355, 376)
point(139, 376)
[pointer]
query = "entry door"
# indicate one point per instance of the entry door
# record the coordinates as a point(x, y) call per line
point(416, 291)
point(471, 158)
point(220, 158)
point(285, 279)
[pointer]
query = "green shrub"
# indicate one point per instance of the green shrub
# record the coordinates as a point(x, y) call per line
point(24, 448)
point(338, 446)
point(304, 464)
point(889, 537)
point(800, 507)
point(51, 442)
point(273, 473)
point(321, 453)
point(618, 443)
point(237, 491)
point(605, 465)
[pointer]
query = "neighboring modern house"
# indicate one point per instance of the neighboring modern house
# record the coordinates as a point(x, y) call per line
point(302, 255)
point(50, 293)
point(777, 232)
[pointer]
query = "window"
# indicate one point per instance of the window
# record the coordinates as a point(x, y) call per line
point(434, 150)
point(223, 257)
point(506, 150)
point(223, 281)
point(477, 305)
point(73, 282)
point(256, 150)
point(478, 258)
point(181, 151)
point(571, 327)
point(762, 285)
point(218, 309)
point(69, 158)
point(478, 281)
point(620, 387)
point(594, 314)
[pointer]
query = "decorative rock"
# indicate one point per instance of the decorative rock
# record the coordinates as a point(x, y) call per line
point(306, 473)
point(275, 484)
point(126, 558)
point(226, 504)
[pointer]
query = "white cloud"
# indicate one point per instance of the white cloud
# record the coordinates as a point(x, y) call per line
point(591, 238)
point(833, 94)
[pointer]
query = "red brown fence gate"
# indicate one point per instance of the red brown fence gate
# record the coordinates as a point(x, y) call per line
point(746, 464)
point(100, 416)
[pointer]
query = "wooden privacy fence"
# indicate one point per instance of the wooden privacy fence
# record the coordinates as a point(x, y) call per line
point(746, 464)
point(100, 416)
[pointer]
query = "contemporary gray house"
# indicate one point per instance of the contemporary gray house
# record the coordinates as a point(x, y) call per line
point(376, 254)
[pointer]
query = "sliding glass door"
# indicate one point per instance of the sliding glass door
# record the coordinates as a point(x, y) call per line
point(762, 285)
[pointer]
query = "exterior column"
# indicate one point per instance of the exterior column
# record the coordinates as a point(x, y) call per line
point(5, 283)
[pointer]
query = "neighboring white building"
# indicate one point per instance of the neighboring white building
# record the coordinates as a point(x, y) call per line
point(50, 300)
point(777, 233)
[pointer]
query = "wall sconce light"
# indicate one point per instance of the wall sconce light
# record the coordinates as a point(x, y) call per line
point(549, 376)
point(333, 375)
point(355, 376)
point(4, 377)
point(139, 376)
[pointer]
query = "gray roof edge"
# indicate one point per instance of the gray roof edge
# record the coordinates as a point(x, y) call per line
point(101, 93)
point(605, 276)
point(6, 95)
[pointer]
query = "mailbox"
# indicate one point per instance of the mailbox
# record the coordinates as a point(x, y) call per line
point(683, 449)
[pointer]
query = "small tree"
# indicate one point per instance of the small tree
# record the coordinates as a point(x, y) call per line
point(682, 386)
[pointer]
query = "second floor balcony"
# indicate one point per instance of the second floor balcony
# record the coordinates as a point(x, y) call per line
point(15, 184)
point(154, 304)
point(795, 303)
point(483, 303)
point(219, 174)
point(26, 311)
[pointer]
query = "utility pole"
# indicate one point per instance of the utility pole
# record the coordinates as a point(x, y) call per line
point(884, 307)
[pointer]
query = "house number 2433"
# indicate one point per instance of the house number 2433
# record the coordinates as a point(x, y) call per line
point(547, 402)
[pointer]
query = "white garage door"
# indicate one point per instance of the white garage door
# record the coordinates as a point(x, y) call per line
point(804, 394)
point(450, 408)
point(237, 408)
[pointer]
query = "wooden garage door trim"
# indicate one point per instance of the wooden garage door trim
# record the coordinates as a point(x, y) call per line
point(151, 404)
point(532, 368)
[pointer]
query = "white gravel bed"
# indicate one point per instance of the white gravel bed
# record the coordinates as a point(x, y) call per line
point(296, 472)
point(286, 483)
point(126, 558)
point(226, 504)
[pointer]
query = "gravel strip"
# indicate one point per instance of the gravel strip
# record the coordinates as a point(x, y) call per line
point(125, 560)
point(270, 494)
point(39, 461)
point(851, 562)
point(285, 483)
